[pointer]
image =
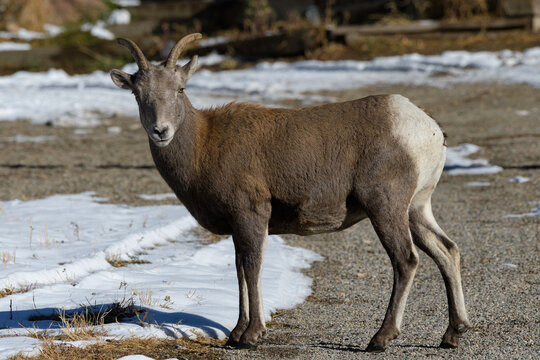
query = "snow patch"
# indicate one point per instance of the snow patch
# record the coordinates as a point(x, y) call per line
point(11, 346)
point(458, 163)
point(137, 357)
point(59, 248)
point(119, 17)
point(158, 197)
point(82, 131)
point(519, 179)
point(81, 100)
point(14, 46)
point(214, 41)
point(477, 184)
point(114, 130)
point(98, 30)
point(52, 30)
point(126, 3)
point(211, 59)
point(23, 34)
point(522, 112)
point(281, 80)
point(535, 211)
point(23, 138)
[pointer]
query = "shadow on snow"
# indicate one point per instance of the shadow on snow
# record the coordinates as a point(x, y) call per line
point(50, 318)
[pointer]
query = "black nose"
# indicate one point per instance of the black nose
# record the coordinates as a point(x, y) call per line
point(160, 132)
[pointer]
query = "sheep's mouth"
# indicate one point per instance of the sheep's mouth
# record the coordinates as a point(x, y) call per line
point(162, 142)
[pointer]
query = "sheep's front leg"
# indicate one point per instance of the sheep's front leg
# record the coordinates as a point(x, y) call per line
point(243, 311)
point(250, 244)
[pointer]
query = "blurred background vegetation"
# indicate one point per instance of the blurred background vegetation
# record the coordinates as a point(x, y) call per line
point(78, 35)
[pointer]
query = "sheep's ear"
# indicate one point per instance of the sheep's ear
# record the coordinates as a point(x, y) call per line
point(190, 67)
point(121, 79)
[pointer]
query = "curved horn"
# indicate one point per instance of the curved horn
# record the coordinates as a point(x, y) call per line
point(180, 45)
point(135, 51)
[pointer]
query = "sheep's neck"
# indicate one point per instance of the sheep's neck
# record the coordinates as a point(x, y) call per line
point(177, 162)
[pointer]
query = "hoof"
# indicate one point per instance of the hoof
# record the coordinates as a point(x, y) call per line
point(239, 345)
point(232, 343)
point(447, 345)
point(450, 339)
point(247, 346)
point(375, 348)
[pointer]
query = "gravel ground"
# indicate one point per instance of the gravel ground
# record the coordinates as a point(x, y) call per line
point(351, 287)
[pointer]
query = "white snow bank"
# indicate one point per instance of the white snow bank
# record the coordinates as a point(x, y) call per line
point(534, 211)
point(119, 17)
point(522, 112)
point(25, 345)
point(56, 97)
point(23, 138)
point(138, 357)
point(211, 59)
point(98, 30)
point(519, 179)
point(458, 163)
point(477, 184)
point(114, 130)
point(57, 248)
point(280, 80)
point(52, 30)
point(214, 41)
point(80, 100)
point(158, 197)
point(23, 34)
point(126, 3)
point(14, 46)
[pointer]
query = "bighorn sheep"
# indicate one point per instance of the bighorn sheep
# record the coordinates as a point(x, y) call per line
point(250, 171)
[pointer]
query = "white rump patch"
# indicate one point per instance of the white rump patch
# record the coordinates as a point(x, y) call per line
point(421, 137)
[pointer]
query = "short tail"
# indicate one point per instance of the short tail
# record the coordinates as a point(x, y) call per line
point(445, 136)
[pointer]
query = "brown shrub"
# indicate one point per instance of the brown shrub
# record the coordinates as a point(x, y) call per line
point(33, 14)
point(465, 9)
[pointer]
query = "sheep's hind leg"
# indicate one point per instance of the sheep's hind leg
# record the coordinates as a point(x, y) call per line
point(429, 237)
point(392, 227)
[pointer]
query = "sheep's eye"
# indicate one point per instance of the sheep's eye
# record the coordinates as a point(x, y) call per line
point(181, 90)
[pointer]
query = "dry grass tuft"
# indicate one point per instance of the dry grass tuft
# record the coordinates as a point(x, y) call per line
point(146, 298)
point(464, 9)
point(94, 315)
point(11, 290)
point(7, 257)
point(117, 261)
point(200, 348)
point(80, 326)
point(206, 236)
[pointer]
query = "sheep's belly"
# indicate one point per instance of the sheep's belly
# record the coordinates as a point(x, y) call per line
point(310, 223)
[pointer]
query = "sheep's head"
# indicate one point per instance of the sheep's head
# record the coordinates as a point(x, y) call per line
point(159, 89)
